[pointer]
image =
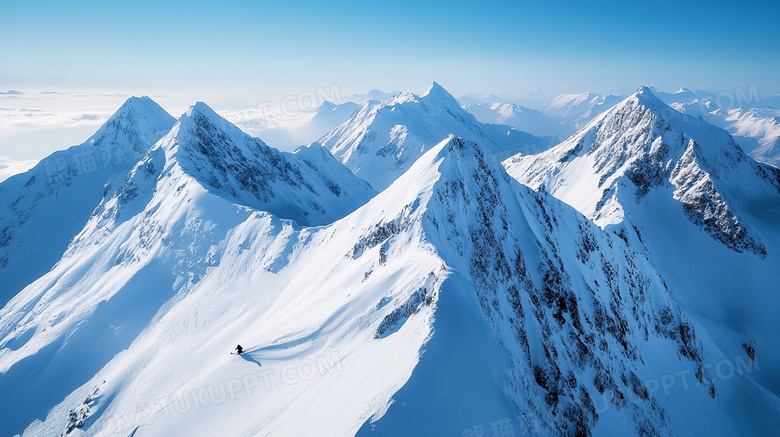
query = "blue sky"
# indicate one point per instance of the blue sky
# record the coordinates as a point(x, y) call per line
point(234, 54)
point(490, 46)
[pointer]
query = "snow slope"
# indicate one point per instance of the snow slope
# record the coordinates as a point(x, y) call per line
point(44, 207)
point(758, 131)
point(380, 141)
point(708, 214)
point(308, 187)
point(585, 323)
point(754, 122)
point(454, 297)
point(155, 237)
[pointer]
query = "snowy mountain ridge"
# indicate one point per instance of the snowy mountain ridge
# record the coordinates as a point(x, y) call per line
point(746, 114)
point(243, 168)
point(43, 208)
point(707, 213)
point(372, 298)
point(454, 297)
point(381, 140)
point(648, 143)
point(139, 122)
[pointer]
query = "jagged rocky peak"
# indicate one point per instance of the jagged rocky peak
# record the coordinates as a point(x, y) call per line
point(204, 133)
point(566, 309)
point(646, 94)
point(309, 187)
point(200, 119)
point(643, 128)
point(640, 145)
point(53, 200)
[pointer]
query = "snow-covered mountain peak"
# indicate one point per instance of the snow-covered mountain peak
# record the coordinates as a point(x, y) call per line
point(642, 144)
point(645, 97)
point(436, 91)
point(314, 152)
point(42, 209)
point(461, 157)
point(141, 104)
point(145, 107)
point(201, 132)
point(138, 123)
point(201, 115)
point(642, 90)
point(684, 189)
point(403, 97)
point(455, 275)
point(382, 140)
point(309, 187)
point(435, 95)
point(643, 116)
point(202, 109)
point(436, 88)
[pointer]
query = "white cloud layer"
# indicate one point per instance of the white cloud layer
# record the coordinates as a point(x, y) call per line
point(10, 167)
point(35, 124)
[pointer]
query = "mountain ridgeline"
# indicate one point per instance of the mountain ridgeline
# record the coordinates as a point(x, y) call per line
point(415, 272)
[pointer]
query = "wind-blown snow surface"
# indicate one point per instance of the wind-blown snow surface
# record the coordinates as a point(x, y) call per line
point(129, 332)
point(381, 140)
point(708, 214)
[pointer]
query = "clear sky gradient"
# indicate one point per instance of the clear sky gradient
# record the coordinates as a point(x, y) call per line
point(233, 54)
point(486, 46)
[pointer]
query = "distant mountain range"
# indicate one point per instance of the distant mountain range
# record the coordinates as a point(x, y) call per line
point(426, 267)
